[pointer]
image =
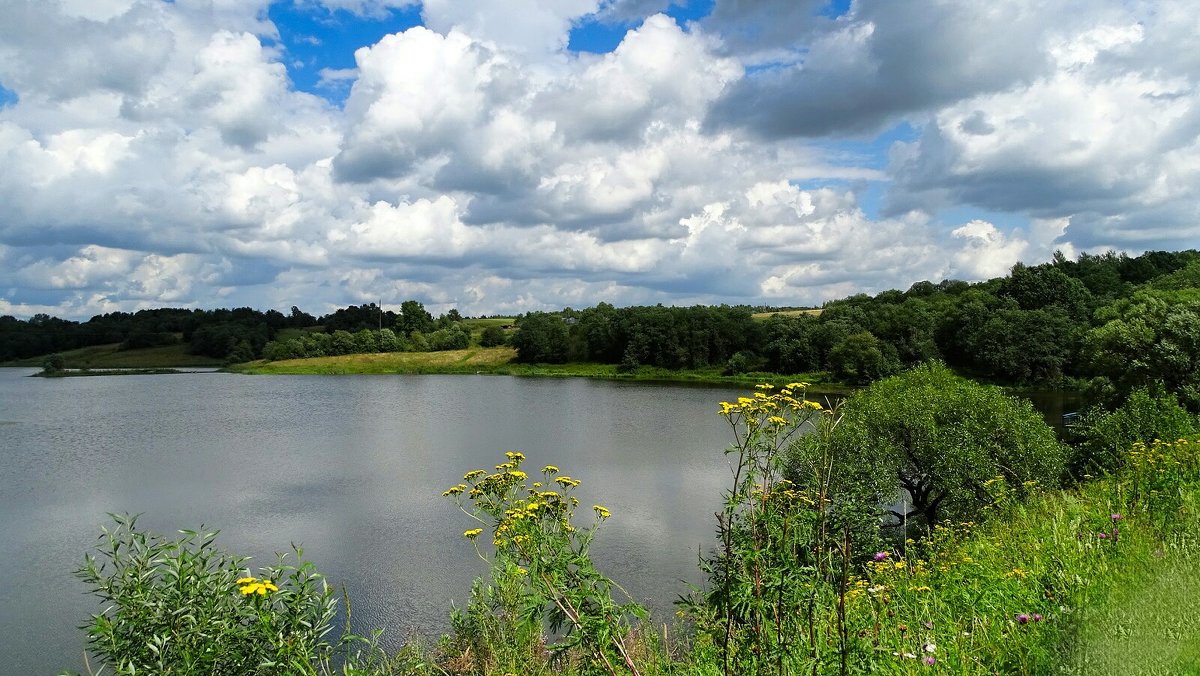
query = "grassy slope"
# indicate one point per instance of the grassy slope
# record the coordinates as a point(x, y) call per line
point(499, 361)
point(762, 316)
point(471, 360)
point(108, 356)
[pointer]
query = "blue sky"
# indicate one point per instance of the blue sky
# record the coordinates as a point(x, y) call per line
point(513, 155)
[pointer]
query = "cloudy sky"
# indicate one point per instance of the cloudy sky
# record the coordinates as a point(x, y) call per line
point(508, 155)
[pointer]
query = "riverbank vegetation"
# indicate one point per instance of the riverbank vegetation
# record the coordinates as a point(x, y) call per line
point(927, 525)
point(1107, 324)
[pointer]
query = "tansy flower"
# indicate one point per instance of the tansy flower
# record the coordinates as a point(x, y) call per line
point(473, 533)
point(604, 513)
point(250, 585)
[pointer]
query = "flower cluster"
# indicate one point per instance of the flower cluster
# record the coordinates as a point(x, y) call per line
point(252, 585)
point(539, 549)
point(766, 409)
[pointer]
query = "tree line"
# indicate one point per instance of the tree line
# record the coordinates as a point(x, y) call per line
point(1108, 322)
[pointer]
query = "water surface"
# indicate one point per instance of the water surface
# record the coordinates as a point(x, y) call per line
point(351, 467)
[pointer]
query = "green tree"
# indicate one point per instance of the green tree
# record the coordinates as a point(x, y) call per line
point(366, 341)
point(414, 317)
point(541, 337)
point(861, 358)
point(53, 363)
point(492, 336)
point(932, 441)
point(454, 337)
point(389, 341)
point(1154, 336)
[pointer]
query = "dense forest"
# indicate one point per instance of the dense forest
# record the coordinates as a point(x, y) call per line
point(1108, 323)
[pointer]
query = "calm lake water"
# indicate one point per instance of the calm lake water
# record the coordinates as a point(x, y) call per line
point(350, 467)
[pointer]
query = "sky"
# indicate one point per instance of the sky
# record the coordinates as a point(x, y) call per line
point(503, 156)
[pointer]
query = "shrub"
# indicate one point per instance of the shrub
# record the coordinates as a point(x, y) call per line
point(183, 606)
point(933, 440)
point(1144, 417)
point(53, 364)
point(492, 336)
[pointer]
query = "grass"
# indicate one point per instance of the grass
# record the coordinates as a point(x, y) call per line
point(471, 360)
point(762, 316)
point(501, 361)
point(109, 356)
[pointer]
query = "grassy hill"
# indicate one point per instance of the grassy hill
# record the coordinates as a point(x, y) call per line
point(109, 356)
point(762, 316)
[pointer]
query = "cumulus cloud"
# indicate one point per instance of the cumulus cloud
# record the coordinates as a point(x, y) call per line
point(1107, 140)
point(530, 27)
point(160, 153)
point(883, 60)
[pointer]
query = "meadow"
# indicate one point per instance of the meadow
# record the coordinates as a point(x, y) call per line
point(112, 357)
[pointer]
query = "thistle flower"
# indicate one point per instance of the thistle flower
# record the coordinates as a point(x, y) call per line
point(1022, 618)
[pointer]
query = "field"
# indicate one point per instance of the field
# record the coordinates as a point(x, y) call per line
point(108, 356)
point(761, 316)
point(470, 360)
point(501, 361)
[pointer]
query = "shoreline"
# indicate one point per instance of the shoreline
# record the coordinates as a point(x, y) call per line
point(497, 361)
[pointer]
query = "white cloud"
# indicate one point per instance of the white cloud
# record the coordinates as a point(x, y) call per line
point(986, 252)
point(1112, 149)
point(530, 27)
point(160, 153)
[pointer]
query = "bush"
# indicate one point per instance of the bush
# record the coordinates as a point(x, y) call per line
point(932, 441)
point(183, 606)
point(53, 364)
point(492, 336)
point(454, 337)
point(1144, 417)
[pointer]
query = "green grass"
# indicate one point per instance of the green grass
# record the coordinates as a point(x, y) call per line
point(108, 356)
point(500, 361)
point(482, 323)
point(762, 316)
point(471, 360)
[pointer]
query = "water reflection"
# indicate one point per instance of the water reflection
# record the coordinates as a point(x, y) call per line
point(352, 467)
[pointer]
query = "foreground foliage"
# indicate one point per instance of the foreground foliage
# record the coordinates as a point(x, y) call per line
point(1021, 579)
point(182, 606)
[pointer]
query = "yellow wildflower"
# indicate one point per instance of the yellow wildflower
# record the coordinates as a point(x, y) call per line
point(604, 513)
point(473, 533)
point(250, 585)
point(550, 469)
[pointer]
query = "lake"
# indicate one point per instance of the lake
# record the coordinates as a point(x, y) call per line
point(352, 467)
